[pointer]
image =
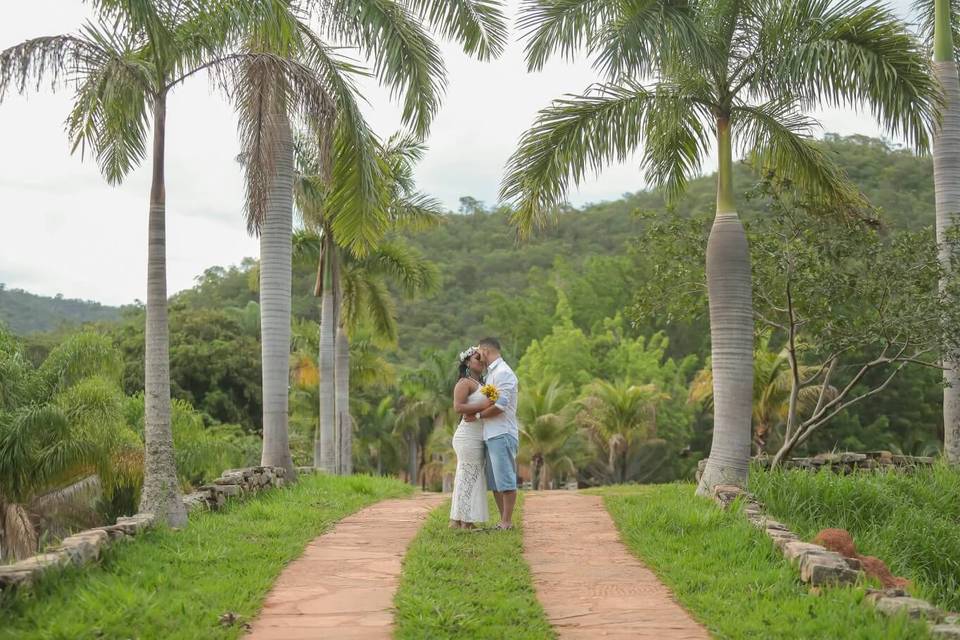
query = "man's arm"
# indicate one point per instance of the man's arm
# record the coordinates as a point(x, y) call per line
point(508, 390)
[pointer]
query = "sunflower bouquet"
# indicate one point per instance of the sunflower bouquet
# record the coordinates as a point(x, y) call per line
point(490, 391)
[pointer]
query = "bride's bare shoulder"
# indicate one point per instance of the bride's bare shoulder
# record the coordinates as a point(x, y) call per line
point(466, 383)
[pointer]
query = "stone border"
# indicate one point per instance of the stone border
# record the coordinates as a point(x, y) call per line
point(843, 462)
point(820, 567)
point(86, 547)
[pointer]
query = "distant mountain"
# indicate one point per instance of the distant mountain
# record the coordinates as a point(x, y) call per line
point(25, 312)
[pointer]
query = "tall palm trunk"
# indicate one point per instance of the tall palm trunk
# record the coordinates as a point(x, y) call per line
point(412, 458)
point(731, 332)
point(946, 177)
point(160, 494)
point(342, 391)
point(276, 266)
point(325, 449)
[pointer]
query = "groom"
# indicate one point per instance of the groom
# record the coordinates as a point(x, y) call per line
point(500, 431)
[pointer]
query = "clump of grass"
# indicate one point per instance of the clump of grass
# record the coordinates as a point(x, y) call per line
point(910, 521)
point(175, 584)
point(470, 585)
point(730, 576)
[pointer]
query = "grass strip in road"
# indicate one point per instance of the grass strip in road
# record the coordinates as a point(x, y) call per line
point(175, 584)
point(469, 585)
point(730, 576)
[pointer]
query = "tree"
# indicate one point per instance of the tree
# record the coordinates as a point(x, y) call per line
point(619, 416)
point(60, 424)
point(322, 93)
point(546, 429)
point(772, 382)
point(122, 69)
point(354, 289)
point(851, 305)
point(939, 21)
point(743, 72)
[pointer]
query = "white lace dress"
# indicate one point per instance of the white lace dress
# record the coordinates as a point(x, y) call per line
point(469, 485)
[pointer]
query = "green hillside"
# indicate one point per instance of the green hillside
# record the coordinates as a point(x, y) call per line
point(25, 312)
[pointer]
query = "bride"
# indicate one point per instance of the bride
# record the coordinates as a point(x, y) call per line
point(469, 485)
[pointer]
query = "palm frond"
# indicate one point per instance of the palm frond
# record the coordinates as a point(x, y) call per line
point(778, 137)
point(404, 265)
point(648, 35)
point(675, 140)
point(563, 26)
point(405, 57)
point(416, 212)
point(848, 53)
point(479, 25)
point(570, 137)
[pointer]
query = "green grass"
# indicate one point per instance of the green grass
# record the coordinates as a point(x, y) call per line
point(911, 522)
point(168, 584)
point(731, 577)
point(476, 586)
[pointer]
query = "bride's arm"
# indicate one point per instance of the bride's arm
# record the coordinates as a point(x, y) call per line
point(460, 394)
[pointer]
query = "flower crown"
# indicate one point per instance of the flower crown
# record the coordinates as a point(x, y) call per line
point(469, 353)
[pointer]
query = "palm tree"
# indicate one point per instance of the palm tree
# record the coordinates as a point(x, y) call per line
point(122, 68)
point(619, 416)
point(939, 21)
point(355, 289)
point(61, 432)
point(425, 405)
point(324, 95)
point(545, 430)
point(741, 71)
point(772, 381)
point(392, 33)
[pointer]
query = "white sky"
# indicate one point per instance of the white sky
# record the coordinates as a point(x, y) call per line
point(64, 230)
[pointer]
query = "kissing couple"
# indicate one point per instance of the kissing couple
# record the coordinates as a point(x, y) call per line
point(487, 438)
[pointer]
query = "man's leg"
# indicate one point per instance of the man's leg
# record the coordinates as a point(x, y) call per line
point(506, 513)
point(498, 498)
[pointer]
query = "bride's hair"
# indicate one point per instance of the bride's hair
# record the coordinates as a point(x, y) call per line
point(464, 370)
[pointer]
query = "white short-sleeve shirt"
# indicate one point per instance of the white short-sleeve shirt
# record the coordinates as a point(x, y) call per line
point(500, 375)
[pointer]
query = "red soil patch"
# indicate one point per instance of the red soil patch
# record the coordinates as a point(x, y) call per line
point(840, 541)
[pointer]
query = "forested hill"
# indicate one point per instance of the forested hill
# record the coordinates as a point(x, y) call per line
point(492, 284)
point(25, 312)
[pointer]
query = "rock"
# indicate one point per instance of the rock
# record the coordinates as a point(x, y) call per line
point(10, 578)
point(827, 568)
point(132, 525)
point(852, 457)
point(231, 478)
point(85, 546)
point(854, 563)
point(196, 500)
point(951, 618)
point(229, 490)
point(945, 631)
point(793, 551)
point(912, 607)
point(113, 531)
point(42, 562)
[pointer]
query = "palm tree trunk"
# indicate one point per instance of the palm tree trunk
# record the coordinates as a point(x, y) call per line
point(412, 459)
point(731, 332)
point(325, 450)
point(946, 177)
point(161, 493)
point(19, 537)
point(344, 420)
point(276, 267)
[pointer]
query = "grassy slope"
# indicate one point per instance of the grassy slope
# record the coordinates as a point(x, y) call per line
point(171, 585)
point(910, 522)
point(729, 576)
point(475, 586)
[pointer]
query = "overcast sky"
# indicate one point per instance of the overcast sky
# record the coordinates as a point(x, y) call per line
point(65, 231)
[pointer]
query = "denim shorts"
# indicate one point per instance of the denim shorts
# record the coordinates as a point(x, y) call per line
point(502, 463)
